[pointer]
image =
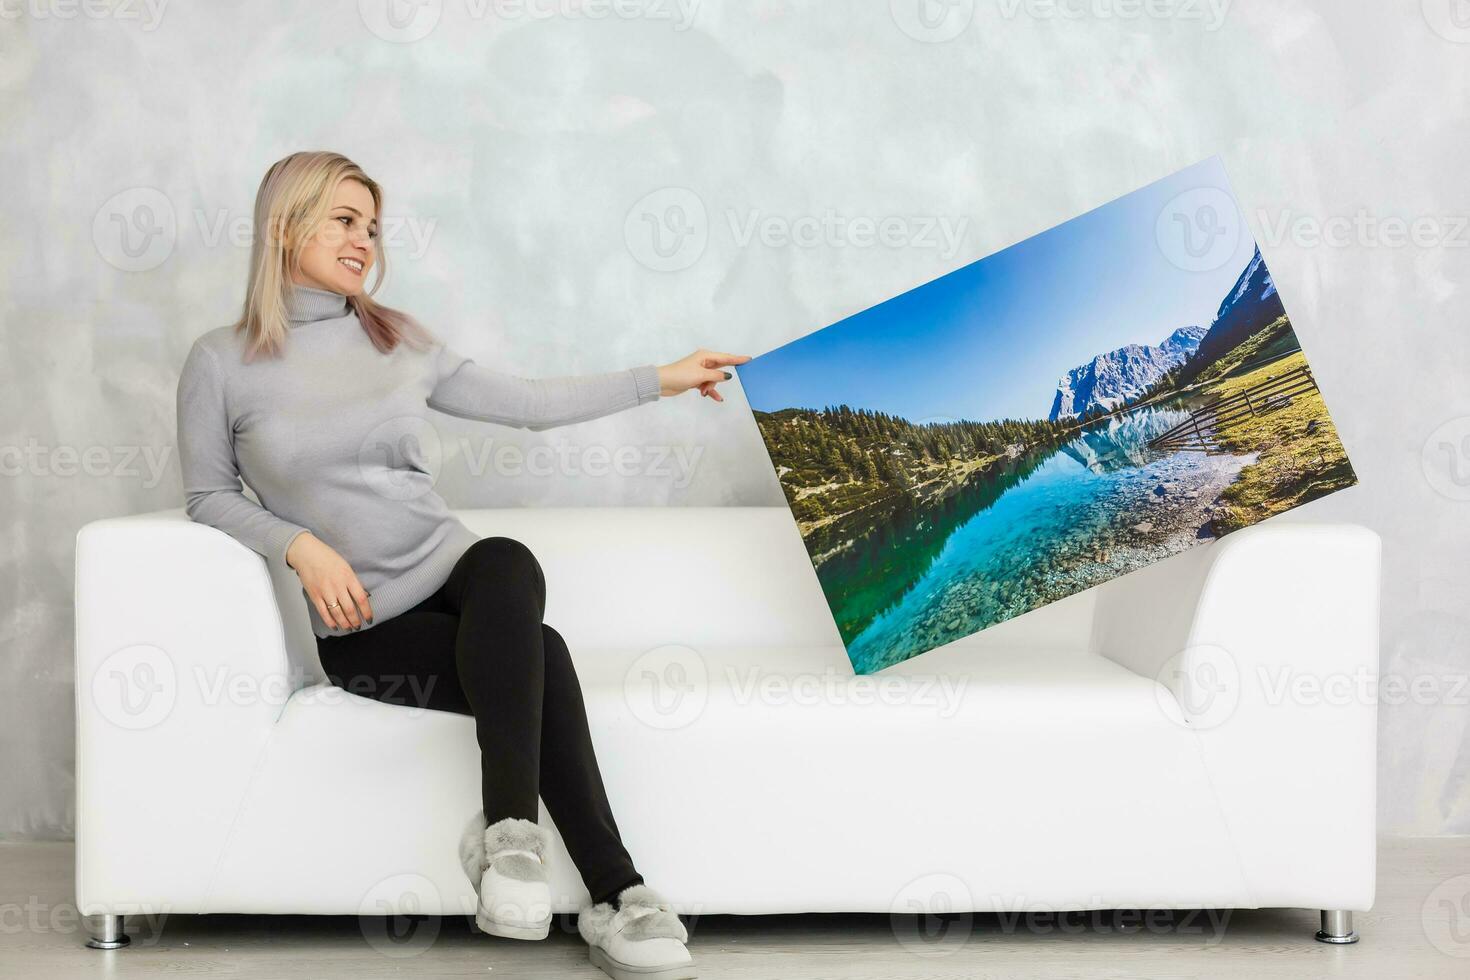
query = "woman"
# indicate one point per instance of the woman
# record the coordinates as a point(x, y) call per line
point(317, 397)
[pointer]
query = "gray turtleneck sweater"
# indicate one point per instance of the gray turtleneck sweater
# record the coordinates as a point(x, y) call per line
point(332, 434)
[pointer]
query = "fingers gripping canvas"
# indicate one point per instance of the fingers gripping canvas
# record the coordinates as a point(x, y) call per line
point(1103, 395)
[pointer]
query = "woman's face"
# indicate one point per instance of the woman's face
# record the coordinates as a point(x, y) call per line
point(341, 252)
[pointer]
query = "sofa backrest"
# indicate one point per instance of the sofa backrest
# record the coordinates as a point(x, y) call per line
point(708, 576)
point(640, 577)
point(703, 576)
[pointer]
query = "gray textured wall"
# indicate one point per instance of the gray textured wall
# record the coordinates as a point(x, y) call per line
point(518, 143)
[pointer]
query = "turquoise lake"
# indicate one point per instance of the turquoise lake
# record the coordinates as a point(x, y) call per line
point(1030, 531)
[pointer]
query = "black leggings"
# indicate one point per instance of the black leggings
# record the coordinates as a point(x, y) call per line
point(478, 647)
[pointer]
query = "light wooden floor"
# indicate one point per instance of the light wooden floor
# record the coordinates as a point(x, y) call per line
point(1420, 928)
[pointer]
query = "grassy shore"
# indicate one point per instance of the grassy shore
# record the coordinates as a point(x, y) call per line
point(1300, 455)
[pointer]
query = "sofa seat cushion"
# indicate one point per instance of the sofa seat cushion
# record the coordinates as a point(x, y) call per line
point(1030, 772)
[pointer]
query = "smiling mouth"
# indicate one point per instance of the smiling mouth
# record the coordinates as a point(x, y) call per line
point(353, 264)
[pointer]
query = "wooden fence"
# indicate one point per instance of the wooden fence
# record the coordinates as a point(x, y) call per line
point(1198, 431)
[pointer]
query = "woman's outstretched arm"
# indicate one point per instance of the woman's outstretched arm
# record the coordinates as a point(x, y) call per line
point(473, 391)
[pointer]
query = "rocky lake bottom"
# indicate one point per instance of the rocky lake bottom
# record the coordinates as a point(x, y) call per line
point(1065, 529)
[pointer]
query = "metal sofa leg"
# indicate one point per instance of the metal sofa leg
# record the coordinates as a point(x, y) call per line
point(106, 932)
point(1337, 927)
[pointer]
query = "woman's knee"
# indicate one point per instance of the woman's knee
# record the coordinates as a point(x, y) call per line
point(505, 561)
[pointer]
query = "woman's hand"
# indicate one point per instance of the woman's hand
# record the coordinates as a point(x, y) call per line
point(328, 579)
point(697, 371)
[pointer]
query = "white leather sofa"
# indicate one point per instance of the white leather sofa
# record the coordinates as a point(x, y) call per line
point(1198, 734)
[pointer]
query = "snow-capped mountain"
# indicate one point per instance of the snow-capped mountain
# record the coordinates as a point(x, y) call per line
point(1249, 306)
point(1110, 379)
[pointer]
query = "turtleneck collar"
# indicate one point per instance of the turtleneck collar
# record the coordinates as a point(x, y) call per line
point(307, 304)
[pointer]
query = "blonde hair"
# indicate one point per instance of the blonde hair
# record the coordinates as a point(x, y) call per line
point(293, 200)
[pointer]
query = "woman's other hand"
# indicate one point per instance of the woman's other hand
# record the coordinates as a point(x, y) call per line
point(698, 370)
point(327, 579)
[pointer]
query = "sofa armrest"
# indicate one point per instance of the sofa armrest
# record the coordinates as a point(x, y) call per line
point(1277, 596)
point(181, 671)
point(1265, 644)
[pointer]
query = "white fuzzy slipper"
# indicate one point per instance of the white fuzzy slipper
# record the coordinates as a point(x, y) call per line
point(641, 940)
point(472, 849)
point(515, 898)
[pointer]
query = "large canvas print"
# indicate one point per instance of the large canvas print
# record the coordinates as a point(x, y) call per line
point(1093, 399)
